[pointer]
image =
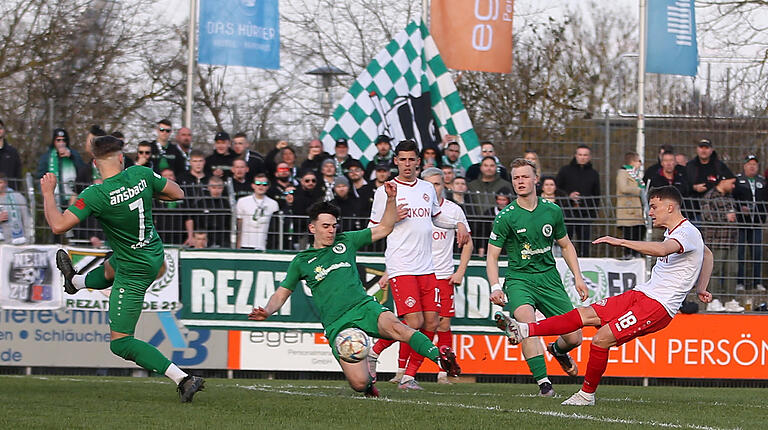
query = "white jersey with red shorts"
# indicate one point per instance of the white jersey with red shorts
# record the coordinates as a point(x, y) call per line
point(650, 306)
point(409, 246)
point(442, 256)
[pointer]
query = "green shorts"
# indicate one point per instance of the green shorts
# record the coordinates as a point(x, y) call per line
point(126, 299)
point(364, 316)
point(544, 291)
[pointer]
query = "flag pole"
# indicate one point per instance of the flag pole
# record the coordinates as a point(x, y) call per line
point(190, 63)
point(640, 145)
point(424, 11)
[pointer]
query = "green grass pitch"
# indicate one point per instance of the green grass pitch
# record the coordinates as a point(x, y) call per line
point(140, 403)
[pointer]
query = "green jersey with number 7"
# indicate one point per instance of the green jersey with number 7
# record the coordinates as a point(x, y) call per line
point(123, 205)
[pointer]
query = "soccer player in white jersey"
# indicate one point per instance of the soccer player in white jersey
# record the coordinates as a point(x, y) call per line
point(442, 257)
point(409, 253)
point(682, 262)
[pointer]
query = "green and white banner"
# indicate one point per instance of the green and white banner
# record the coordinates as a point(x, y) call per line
point(219, 289)
point(405, 92)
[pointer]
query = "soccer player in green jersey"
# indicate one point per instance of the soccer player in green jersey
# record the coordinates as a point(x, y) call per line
point(330, 271)
point(123, 205)
point(526, 228)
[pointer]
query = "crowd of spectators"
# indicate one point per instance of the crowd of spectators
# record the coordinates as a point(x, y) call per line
point(729, 208)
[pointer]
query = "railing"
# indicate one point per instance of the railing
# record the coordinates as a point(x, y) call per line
point(738, 245)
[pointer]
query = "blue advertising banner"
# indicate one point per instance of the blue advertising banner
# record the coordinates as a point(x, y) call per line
point(671, 38)
point(239, 33)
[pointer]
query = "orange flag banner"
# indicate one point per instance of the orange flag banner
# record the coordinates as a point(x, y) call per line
point(474, 34)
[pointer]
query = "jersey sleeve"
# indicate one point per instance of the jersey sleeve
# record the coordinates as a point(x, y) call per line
point(436, 209)
point(379, 205)
point(500, 231)
point(87, 203)
point(560, 230)
point(157, 181)
point(293, 276)
point(358, 239)
point(685, 239)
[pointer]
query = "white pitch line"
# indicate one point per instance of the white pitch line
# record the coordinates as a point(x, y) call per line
point(270, 389)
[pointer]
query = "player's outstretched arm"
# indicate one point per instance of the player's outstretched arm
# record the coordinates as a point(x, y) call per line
point(654, 249)
point(706, 271)
point(466, 254)
point(492, 272)
point(572, 260)
point(59, 222)
point(275, 302)
point(390, 217)
point(171, 192)
point(451, 223)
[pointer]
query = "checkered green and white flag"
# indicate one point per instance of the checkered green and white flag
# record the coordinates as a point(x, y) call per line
point(405, 92)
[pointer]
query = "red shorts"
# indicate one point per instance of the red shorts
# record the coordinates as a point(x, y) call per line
point(631, 314)
point(447, 309)
point(415, 293)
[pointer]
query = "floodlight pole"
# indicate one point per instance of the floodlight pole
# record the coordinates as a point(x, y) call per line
point(190, 63)
point(640, 145)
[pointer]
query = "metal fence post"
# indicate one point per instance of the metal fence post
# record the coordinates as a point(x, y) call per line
point(233, 214)
point(607, 162)
point(280, 232)
point(32, 207)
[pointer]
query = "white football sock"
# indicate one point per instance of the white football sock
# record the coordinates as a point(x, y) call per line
point(175, 373)
point(524, 332)
point(406, 378)
point(79, 281)
point(543, 380)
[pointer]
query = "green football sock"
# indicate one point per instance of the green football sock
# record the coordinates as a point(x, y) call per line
point(141, 353)
point(96, 280)
point(422, 345)
point(561, 350)
point(538, 367)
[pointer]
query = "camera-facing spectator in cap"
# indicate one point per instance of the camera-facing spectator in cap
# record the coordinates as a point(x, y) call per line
point(219, 163)
point(384, 155)
point(355, 174)
point(751, 195)
point(64, 162)
point(10, 161)
point(452, 155)
point(341, 157)
point(307, 193)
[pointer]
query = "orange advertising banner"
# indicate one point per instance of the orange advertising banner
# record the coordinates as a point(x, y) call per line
point(692, 346)
point(474, 34)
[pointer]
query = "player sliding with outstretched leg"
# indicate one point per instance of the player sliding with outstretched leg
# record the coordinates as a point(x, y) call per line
point(123, 205)
point(682, 262)
point(330, 271)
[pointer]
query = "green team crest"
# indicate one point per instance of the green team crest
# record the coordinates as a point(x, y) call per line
point(597, 283)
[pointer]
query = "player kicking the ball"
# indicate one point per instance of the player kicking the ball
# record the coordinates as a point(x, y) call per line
point(682, 262)
point(330, 272)
point(123, 205)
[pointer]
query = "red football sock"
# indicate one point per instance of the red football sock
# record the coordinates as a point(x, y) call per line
point(444, 338)
point(559, 324)
point(598, 361)
point(382, 344)
point(402, 357)
point(415, 360)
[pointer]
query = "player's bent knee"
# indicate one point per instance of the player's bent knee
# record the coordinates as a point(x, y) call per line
point(604, 338)
point(121, 347)
point(358, 385)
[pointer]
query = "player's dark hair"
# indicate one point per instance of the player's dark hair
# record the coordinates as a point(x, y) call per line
point(667, 192)
point(318, 208)
point(164, 122)
point(106, 145)
point(407, 146)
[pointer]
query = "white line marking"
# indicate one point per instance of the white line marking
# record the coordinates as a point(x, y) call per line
point(270, 389)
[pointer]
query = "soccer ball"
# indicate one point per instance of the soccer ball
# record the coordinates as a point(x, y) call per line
point(352, 344)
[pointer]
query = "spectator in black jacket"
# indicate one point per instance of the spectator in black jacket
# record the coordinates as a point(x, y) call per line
point(282, 153)
point(751, 195)
point(315, 156)
point(703, 173)
point(220, 162)
point(253, 159)
point(240, 183)
point(166, 155)
point(650, 170)
point(352, 217)
point(193, 181)
point(671, 173)
point(581, 182)
point(487, 149)
point(213, 215)
point(10, 162)
point(384, 155)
